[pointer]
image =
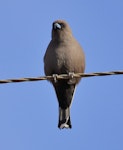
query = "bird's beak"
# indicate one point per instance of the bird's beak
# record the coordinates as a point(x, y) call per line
point(56, 26)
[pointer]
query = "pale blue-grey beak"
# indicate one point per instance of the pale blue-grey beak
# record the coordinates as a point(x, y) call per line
point(56, 26)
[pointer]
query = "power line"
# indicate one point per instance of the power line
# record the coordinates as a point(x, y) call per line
point(62, 76)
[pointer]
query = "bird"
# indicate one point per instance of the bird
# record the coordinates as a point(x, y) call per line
point(64, 55)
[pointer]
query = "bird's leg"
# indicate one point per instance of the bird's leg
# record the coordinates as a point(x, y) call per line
point(55, 76)
point(71, 75)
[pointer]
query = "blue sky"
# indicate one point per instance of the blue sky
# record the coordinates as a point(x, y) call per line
point(29, 111)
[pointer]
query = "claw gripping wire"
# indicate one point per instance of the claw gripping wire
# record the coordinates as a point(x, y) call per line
point(62, 76)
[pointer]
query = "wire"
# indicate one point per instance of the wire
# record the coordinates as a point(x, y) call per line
point(62, 76)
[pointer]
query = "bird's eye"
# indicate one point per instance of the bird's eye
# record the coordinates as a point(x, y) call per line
point(62, 25)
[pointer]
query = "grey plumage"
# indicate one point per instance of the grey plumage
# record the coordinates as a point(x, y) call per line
point(64, 55)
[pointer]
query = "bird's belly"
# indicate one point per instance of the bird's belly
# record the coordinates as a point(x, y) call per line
point(62, 65)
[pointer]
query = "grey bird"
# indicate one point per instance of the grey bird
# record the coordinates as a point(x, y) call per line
point(64, 55)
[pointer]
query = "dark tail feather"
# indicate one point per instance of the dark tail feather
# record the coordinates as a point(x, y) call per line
point(64, 118)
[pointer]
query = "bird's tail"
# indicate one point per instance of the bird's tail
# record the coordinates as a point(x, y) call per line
point(64, 118)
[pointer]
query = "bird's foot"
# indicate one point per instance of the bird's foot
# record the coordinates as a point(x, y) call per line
point(55, 76)
point(71, 75)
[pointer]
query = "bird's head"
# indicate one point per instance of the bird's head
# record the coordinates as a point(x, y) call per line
point(60, 30)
